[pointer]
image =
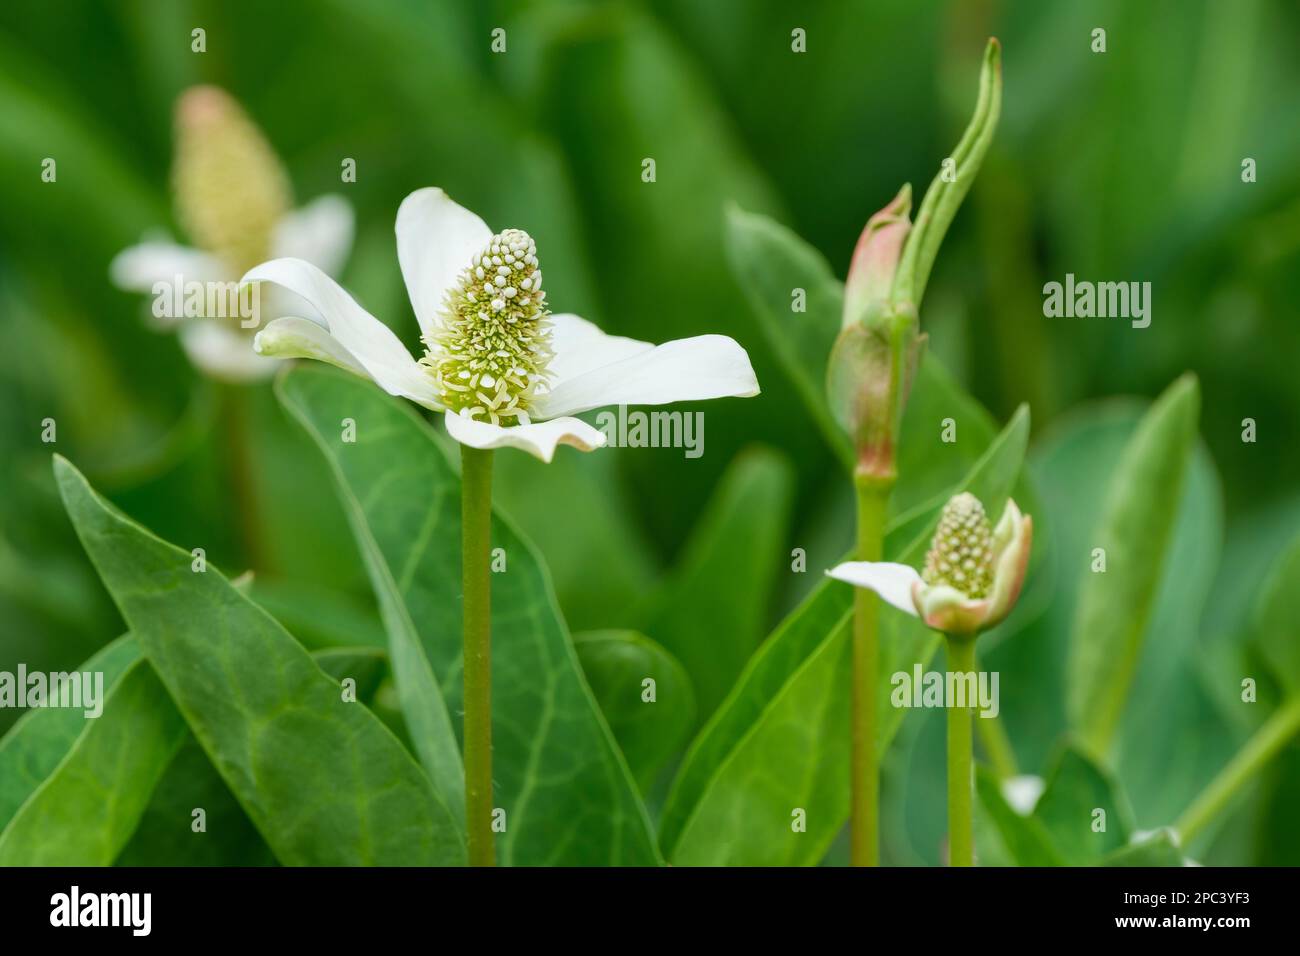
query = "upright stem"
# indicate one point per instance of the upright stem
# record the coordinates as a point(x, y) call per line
point(864, 838)
point(240, 471)
point(1249, 760)
point(961, 846)
point(476, 537)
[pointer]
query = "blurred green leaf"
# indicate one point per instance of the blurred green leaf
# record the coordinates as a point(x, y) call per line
point(798, 301)
point(1277, 620)
point(1156, 849)
point(1076, 788)
point(1003, 837)
point(273, 722)
point(1134, 530)
point(616, 663)
point(711, 613)
point(779, 742)
point(554, 757)
point(85, 811)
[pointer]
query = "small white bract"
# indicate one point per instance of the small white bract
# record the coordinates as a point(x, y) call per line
point(505, 370)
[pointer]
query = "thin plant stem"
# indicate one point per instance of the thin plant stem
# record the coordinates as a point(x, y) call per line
point(961, 847)
point(873, 498)
point(240, 471)
point(1262, 747)
point(476, 538)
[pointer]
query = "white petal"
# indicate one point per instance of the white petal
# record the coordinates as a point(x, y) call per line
point(580, 346)
point(436, 239)
point(294, 337)
point(893, 582)
point(684, 370)
point(1022, 793)
point(320, 232)
point(139, 268)
point(224, 352)
point(369, 341)
point(538, 439)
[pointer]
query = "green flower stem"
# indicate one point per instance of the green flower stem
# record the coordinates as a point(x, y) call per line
point(1259, 750)
point(961, 848)
point(476, 541)
point(240, 471)
point(873, 498)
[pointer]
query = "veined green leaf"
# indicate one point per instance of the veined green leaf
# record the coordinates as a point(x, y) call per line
point(568, 795)
point(325, 782)
point(649, 731)
point(85, 811)
point(41, 738)
point(1134, 532)
point(711, 612)
point(780, 741)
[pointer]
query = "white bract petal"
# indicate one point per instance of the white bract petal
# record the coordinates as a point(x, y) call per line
point(137, 268)
point(373, 344)
point(319, 232)
point(295, 337)
point(893, 582)
point(539, 439)
point(684, 370)
point(436, 239)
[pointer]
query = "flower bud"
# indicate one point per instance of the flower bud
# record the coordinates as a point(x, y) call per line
point(875, 260)
point(231, 188)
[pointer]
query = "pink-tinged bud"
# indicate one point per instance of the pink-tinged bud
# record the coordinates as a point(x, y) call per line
point(231, 188)
point(875, 260)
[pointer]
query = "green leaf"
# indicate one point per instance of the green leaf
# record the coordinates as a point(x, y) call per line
point(771, 263)
point(325, 782)
point(944, 197)
point(712, 612)
point(568, 795)
point(616, 663)
point(167, 836)
point(85, 811)
point(1135, 530)
point(1004, 837)
point(1277, 620)
point(1076, 789)
point(779, 742)
point(41, 738)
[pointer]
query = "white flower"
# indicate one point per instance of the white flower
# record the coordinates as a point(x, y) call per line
point(233, 198)
point(504, 369)
point(973, 573)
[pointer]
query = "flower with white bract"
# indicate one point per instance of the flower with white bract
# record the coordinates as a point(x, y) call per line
point(505, 370)
point(233, 199)
point(973, 573)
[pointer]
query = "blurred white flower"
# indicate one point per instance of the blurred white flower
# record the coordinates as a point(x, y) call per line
point(973, 573)
point(504, 369)
point(233, 200)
